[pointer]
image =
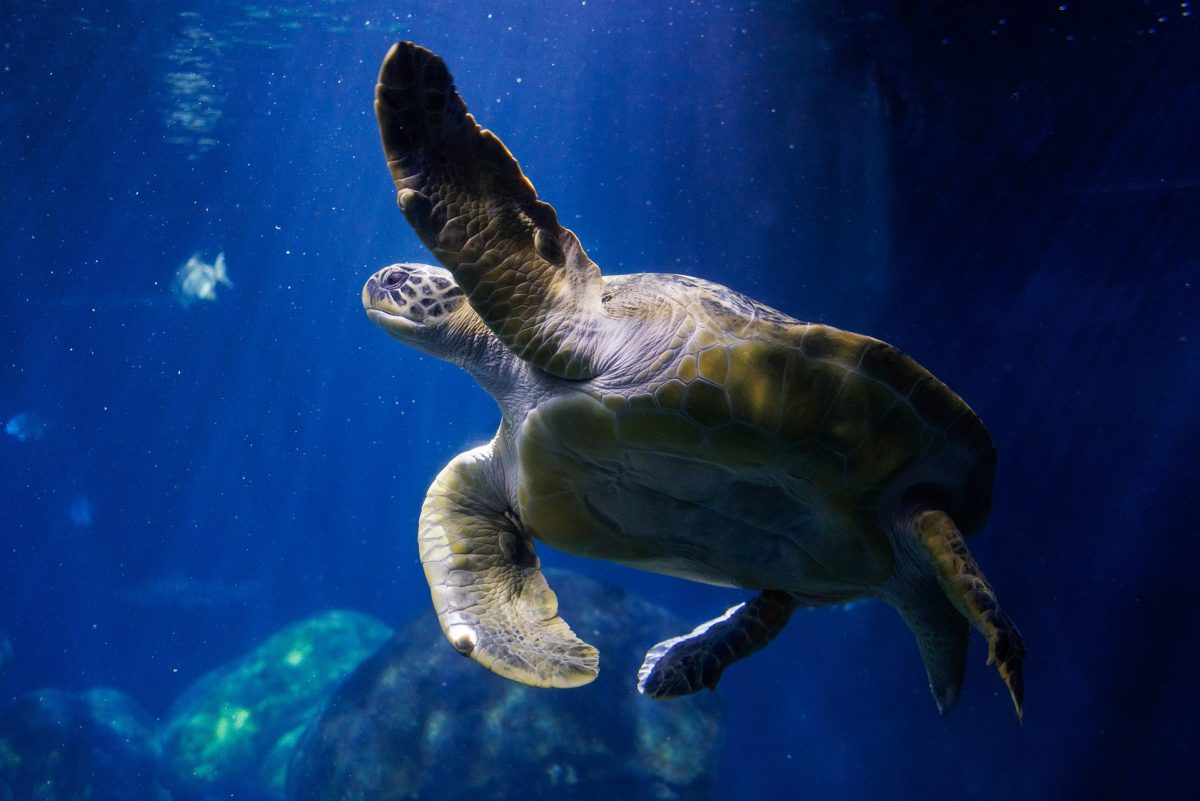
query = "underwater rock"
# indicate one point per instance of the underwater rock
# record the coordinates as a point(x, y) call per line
point(61, 746)
point(418, 720)
point(197, 280)
point(232, 731)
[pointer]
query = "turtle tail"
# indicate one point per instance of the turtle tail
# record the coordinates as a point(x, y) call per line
point(941, 636)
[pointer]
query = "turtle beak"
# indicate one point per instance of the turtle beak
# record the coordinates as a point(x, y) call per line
point(399, 327)
point(380, 302)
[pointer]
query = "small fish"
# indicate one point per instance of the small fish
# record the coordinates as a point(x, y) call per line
point(197, 280)
point(26, 427)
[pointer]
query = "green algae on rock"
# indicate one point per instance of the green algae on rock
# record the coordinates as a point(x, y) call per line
point(231, 726)
point(62, 746)
point(416, 720)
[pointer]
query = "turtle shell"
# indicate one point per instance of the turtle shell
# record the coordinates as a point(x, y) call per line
point(749, 449)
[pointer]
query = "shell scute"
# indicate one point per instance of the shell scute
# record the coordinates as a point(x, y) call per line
point(891, 366)
point(615, 403)
point(687, 370)
point(851, 418)
point(704, 337)
point(642, 400)
point(809, 391)
point(833, 345)
point(670, 394)
point(706, 403)
point(713, 363)
point(895, 441)
point(755, 383)
point(940, 407)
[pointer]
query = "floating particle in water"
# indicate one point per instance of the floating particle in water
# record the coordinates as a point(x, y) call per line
point(197, 280)
point(26, 427)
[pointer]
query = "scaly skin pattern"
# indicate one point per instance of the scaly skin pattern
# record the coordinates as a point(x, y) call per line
point(464, 194)
point(965, 586)
point(490, 596)
point(688, 664)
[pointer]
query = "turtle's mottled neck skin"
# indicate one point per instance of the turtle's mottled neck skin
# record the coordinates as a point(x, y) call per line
point(421, 306)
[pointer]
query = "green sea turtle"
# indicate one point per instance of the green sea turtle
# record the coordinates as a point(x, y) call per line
point(666, 423)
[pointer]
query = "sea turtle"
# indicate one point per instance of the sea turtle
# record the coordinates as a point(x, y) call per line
point(666, 423)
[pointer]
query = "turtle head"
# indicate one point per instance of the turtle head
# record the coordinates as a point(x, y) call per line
point(421, 306)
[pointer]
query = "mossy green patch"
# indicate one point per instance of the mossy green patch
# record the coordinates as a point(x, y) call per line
point(249, 712)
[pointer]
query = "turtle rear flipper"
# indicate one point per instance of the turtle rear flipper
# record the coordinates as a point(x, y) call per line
point(971, 594)
point(942, 636)
point(688, 664)
point(465, 195)
point(491, 598)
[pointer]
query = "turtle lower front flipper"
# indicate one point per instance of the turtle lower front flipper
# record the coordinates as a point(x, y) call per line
point(688, 664)
point(491, 598)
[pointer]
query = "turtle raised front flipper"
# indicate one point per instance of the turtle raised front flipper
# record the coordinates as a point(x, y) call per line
point(490, 596)
point(465, 195)
point(688, 664)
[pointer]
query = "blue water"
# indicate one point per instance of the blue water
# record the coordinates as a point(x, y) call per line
point(1009, 192)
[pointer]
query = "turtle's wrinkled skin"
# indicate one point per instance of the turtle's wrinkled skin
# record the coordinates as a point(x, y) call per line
point(666, 423)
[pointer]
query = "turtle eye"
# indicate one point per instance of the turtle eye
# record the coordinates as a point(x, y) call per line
point(394, 279)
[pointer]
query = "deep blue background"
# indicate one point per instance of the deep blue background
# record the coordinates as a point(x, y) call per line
point(1008, 191)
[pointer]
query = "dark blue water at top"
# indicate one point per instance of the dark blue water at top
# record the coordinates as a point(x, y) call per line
point(1010, 192)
